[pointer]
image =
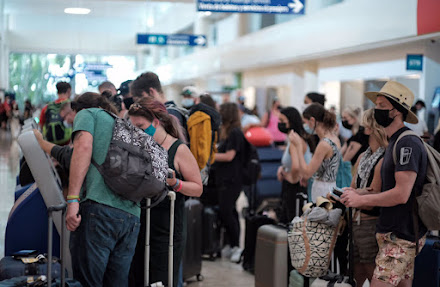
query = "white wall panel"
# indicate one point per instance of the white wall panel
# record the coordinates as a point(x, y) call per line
point(330, 31)
point(76, 34)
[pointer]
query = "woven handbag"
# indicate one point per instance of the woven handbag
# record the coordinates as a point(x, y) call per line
point(311, 245)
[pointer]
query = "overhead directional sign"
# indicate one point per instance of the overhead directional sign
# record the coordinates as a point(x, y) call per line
point(253, 6)
point(172, 39)
point(414, 62)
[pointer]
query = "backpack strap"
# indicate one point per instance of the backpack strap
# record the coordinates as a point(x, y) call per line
point(415, 209)
point(172, 154)
point(404, 134)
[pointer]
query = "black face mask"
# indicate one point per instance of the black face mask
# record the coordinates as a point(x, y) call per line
point(346, 125)
point(283, 128)
point(382, 117)
point(128, 102)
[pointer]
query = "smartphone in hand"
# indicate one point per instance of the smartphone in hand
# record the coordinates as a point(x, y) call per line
point(170, 173)
point(336, 193)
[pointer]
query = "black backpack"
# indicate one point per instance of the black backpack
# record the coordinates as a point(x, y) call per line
point(183, 112)
point(136, 166)
point(251, 166)
point(54, 129)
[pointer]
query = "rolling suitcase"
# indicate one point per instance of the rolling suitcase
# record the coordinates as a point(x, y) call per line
point(192, 255)
point(270, 257)
point(210, 232)
point(11, 267)
point(26, 219)
point(268, 185)
point(253, 223)
point(172, 196)
point(42, 280)
point(427, 264)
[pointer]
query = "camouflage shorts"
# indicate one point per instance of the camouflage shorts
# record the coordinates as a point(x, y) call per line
point(395, 260)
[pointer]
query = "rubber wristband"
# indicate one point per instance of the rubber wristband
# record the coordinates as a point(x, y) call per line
point(73, 200)
point(73, 197)
point(176, 184)
point(180, 187)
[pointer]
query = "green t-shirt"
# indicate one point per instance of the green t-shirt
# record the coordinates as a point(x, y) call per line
point(100, 125)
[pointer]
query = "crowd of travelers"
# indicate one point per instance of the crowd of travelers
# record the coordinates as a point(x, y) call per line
point(108, 232)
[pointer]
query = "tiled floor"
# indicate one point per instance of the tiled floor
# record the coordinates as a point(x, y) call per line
point(222, 273)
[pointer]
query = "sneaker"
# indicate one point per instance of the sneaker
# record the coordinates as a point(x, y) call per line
point(226, 252)
point(236, 254)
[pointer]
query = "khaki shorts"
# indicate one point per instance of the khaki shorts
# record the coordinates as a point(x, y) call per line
point(395, 260)
point(365, 247)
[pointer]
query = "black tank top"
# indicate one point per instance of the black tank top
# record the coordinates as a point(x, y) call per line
point(376, 210)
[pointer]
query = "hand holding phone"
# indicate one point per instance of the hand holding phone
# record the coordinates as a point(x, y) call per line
point(170, 173)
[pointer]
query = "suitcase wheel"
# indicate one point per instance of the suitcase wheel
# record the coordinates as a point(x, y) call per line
point(200, 277)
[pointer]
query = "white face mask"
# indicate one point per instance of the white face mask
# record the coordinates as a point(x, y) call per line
point(187, 102)
point(66, 124)
point(304, 106)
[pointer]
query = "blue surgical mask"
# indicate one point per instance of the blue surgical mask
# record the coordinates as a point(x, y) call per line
point(151, 130)
point(308, 129)
point(187, 102)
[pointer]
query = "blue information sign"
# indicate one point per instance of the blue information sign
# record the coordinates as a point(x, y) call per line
point(253, 6)
point(414, 62)
point(172, 39)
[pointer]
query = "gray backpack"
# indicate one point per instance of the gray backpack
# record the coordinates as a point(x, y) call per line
point(136, 166)
point(428, 201)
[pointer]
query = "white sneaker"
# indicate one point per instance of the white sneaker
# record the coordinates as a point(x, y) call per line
point(236, 254)
point(226, 252)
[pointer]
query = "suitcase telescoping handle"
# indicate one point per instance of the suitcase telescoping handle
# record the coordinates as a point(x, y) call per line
point(147, 245)
point(61, 207)
point(350, 249)
point(172, 196)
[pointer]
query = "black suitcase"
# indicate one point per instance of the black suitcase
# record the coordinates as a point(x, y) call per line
point(427, 264)
point(253, 222)
point(192, 255)
point(211, 232)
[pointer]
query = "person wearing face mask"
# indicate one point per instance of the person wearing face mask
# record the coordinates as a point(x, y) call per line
point(358, 143)
point(367, 180)
point(152, 117)
point(288, 173)
point(148, 85)
point(401, 182)
point(325, 161)
point(190, 97)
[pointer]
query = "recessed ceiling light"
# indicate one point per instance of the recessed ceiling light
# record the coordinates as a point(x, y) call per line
point(78, 11)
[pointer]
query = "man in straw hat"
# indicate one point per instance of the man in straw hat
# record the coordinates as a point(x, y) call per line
point(395, 231)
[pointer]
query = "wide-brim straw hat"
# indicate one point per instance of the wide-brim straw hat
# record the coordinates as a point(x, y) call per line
point(399, 94)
